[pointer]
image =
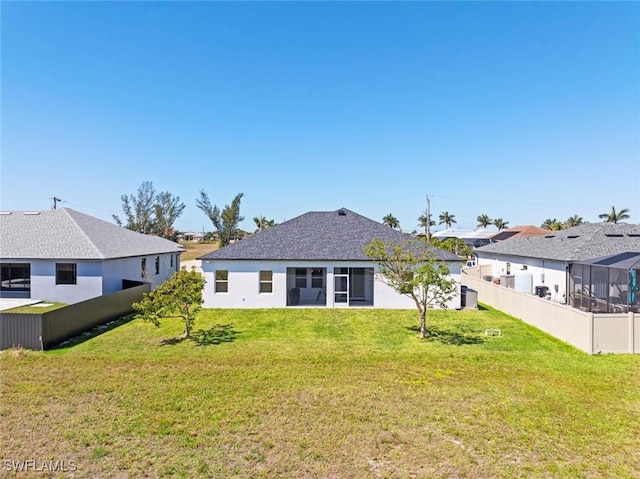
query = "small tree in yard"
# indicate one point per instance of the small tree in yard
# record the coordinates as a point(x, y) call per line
point(179, 297)
point(413, 270)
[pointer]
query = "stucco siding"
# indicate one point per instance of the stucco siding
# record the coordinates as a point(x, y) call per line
point(114, 271)
point(88, 282)
point(385, 297)
point(244, 285)
point(544, 272)
point(93, 278)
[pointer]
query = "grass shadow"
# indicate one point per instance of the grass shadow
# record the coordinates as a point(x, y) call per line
point(92, 333)
point(216, 334)
point(446, 336)
point(172, 341)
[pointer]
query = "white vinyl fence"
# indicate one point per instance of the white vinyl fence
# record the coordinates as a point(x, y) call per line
point(592, 333)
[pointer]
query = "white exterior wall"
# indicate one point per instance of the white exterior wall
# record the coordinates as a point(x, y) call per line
point(455, 270)
point(44, 287)
point(244, 284)
point(115, 270)
point(95, 278)
point(387, 297)
point(545, 272)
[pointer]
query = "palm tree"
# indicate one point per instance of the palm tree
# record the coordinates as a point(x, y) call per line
point(575, 220)
point(391, 221)
point(456, 246)
point(551, 224)
point(262, 223)
point(500, 224)
point(614, 217)
point(484, 221)
point(425, 222)
point(447, 219)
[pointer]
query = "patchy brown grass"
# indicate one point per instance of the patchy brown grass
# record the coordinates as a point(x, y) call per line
point(326, 393)
point(194, 250)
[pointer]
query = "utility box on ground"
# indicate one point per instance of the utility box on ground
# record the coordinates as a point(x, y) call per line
point(468, 298)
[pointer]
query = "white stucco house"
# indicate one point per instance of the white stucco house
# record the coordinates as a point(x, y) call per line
point(66, 256)
point(315, 259)
point(544, 264)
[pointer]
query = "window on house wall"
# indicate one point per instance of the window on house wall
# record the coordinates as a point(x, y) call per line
point(66, 273)
point(301, 277)
point(266, 281)
point(317, 278)
point(16, 276)
point(222, 281)
point(171, 259)
point(157, 264)
point(508, 268)
point(143, 267)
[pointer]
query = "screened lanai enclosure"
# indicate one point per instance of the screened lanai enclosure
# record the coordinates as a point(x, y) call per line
point(606, 285)
point(349, 286)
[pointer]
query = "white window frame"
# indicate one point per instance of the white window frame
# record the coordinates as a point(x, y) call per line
point(221, 281)
point(265, 283)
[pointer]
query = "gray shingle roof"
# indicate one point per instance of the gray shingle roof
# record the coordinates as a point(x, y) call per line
point(317, 235)
point(68, 234)
point(579, 243)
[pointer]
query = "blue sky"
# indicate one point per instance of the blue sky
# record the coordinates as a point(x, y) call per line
point(518, 110)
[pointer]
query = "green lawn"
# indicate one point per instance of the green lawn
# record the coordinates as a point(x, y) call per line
point(325, 394)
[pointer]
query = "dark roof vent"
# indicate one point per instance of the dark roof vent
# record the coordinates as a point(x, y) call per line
point(614, 235)
point(573, 236)
point(342, 212)
point(550, 236)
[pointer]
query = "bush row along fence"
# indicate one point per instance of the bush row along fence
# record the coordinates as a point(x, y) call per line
point(590, 332)
point(42, 330)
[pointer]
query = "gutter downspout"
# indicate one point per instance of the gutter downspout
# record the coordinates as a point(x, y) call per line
point(567, 283)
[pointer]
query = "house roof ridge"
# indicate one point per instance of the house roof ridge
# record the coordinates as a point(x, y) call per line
point(315, 235)
point(573, 244)
point(69, 234)
point(82, 231)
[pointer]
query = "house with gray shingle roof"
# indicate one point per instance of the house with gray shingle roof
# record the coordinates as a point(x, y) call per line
point(315, 259)
point(66, 256)
point(544, 263)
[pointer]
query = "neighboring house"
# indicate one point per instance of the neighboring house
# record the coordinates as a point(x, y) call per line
point(473, 238)
point(315, 259)
point(521, 231)
point(610, 284)
point(543, 264)
point(192, 236)
point(66, 256)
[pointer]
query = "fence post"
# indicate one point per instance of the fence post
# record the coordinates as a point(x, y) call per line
point(631, 332)
point(591, 338)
